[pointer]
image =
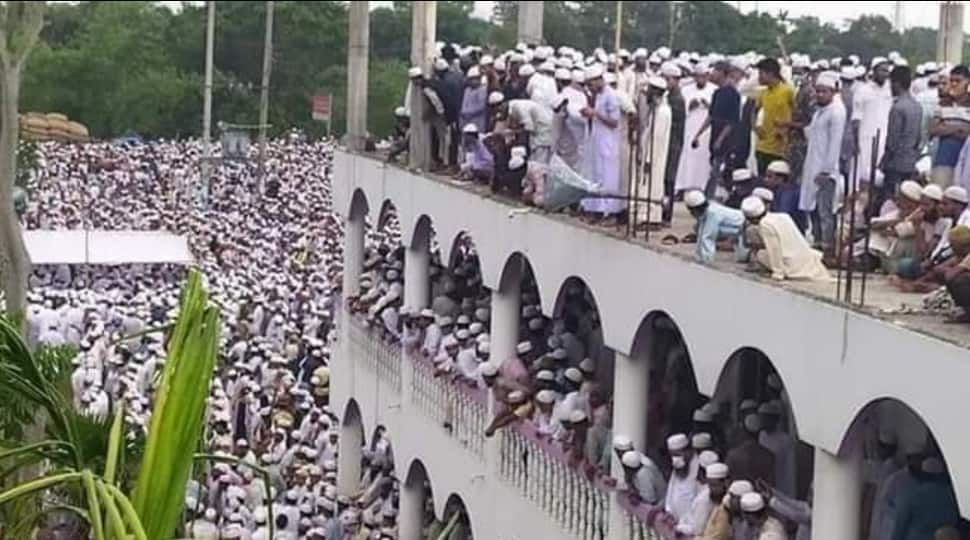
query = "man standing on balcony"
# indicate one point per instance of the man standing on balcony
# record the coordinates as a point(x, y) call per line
point(683, 486)
point(605, 140)
point(764, 526)
point(711, 494)
point(644, 480)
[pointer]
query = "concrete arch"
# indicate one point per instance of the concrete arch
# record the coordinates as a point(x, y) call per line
point(450, 251)
point(516, 268)
point(745, 375)
point(454, 503)
point(388, 212)
point(422, 233)
point(911, 429)
point(351, 445)
point(358, 205)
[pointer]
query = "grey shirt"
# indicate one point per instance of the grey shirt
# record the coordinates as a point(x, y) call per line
point(904, 136)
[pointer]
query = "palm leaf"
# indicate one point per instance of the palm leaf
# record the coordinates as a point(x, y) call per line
point(116, 441)
point(36, 485)
point(177, 419)
point(94, 505)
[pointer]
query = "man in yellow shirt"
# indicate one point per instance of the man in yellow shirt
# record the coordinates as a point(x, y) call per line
point(777, 101)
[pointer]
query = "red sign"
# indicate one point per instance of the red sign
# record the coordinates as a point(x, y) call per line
point(321, 108)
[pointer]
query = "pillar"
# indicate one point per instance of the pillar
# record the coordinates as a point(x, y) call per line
point(357, 59)
point(423, 31)
point(838, 497)
point(353, 255)
point(506, 309)
point(349, 456)
point(631, 381)
point(530, 22)
point(949, 36)
point(417, 286)
point(411, 516)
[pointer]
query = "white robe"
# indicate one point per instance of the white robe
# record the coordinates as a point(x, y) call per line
point(681, 493)
point(824, 136)
point(695, 163)
point(786, 253)
point(573, 142)
point(654, 147)
point(870, 106)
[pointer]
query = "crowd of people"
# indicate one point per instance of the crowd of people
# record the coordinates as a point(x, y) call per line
point(797, 165)
point(270, 253)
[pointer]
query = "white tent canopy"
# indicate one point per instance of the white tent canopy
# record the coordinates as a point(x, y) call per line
point(106, 247)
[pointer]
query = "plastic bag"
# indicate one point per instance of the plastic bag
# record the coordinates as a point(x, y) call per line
point(563, 186)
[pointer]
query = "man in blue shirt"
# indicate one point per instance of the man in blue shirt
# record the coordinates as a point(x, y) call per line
point(715, 222)
point(723, 118)
point(929, 506)
point(951, 125)
point(778, 180)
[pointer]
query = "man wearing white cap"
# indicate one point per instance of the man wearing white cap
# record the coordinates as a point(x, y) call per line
point(474, 103)
point(479, 164)
point(655, 119)
point(870, 112)
point(715, 223)
point(644, 481)
point(725, 522)
point(541, 87)
point(743, 182)
point(606, 143)
point(778, 246)
point(683, 485)
point(536, 120)
point(763, 526)
point(573, 141)
point(710, 495)
point(821, 171)
point(694, 166)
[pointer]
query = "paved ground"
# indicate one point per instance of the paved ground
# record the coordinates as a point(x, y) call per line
point(882, 300)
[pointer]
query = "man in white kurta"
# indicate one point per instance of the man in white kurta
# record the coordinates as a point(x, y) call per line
point(573, 142)
point(783, 250)
point(820, 172)
point(870, 108)
point(605, 140)
point(655, 124)
point(694, 167)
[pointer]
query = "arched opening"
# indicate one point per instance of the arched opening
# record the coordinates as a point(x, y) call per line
point(455, 519)
point(906, 472)
point(350, 458)
point(417, 502)
point(358, 205)
point(751, 402)
point(382, 279)
point(672, 395)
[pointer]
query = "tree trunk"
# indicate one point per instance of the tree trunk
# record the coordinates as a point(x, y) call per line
point(14, 261)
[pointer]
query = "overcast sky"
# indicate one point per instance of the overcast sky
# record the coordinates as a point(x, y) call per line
point(914, 13)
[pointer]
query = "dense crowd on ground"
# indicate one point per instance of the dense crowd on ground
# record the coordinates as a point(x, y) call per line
point(270, 252)
point(797, 165)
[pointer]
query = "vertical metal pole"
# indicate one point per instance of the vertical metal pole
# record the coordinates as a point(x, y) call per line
point(868, 217)
point(619, 26)
point(264, 90)
point(210, 32)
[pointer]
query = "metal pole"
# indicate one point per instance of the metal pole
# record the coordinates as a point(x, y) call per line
point(869, 210)
point(264, 90)
point(650, 158)
point(210, 32)
point(619, 26)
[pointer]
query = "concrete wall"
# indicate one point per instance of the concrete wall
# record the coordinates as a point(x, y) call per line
point(833, 361)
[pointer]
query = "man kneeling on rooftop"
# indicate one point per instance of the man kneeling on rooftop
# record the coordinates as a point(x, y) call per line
point(778, 246)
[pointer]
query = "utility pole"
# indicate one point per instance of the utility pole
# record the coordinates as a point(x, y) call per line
point(210, 32)
point(264, 90)
point(358, 52)
point(672, 23)
point(619, 26)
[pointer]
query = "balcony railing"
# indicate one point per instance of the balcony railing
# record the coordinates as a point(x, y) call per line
point(573, 495)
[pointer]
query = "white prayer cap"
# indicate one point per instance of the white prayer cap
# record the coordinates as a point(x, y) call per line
point(516, 396)
point(210, 514)
point(482, 314)
point(483, 347)
point(427, 313)
point(500, 64)
point(739, 488)
point(828, 79)
point(911, 190)
point(535, 323)
point(547, 66)
point(462, 335)
point(470, 128)
point(574, 375)
point(414, 72)
point(933, 465)
point(541, 53)
point(752, 502)
point(632, 459)
point(562, 74)
point(708, 458)
point(473, 72)
point(521, 47)
point(764, 194)
point(848, 73)
point(440, 64)
point(670, 69)
point(526, 70)
point(486, 60)
point(677, 442)
point(401, 112)
point(594, 71)
point(663, 52)
point(701, 441)
point(956, 193)
point(586, 366)
point(623, 53)
point(446, 321)
point(640, 53)
point(523, 347)
point(854, 58)
point(741, 175)
point(516, 163)
point(546, 396)
point(703, 415)
point(716, 471)
point(488, 369)
point(694, 198)
point(496, 97)
point(753, 207)
point(577, 416)
point(520, 151)
point(545, 375)
point(800, 61)
point(933, 192)
point(622, 442)
point(578, 76)
point(476, 328)
point(878, 60)
point(609, 77)
point(779, 167)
